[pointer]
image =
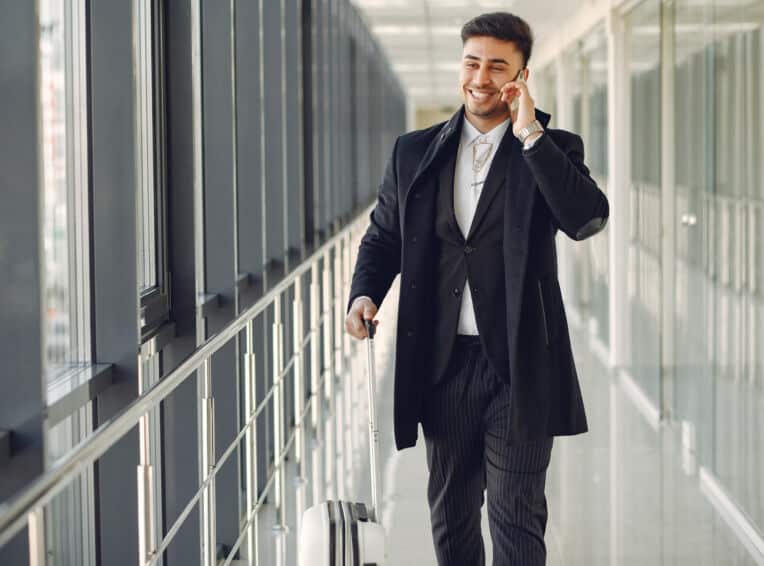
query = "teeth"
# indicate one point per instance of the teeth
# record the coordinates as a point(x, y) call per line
point(479, 95)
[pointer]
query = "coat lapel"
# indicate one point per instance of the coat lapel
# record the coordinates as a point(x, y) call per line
point(494, 181)
point(436, 150)
point(446, 193)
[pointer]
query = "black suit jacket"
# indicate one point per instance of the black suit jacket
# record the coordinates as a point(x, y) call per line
point(475, 257)
point(548, 188)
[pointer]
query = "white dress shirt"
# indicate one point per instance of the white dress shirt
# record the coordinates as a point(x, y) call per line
point(466, 197)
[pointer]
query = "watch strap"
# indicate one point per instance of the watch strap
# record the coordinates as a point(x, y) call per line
point(531, 128)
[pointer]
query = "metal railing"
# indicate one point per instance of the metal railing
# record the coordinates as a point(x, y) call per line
point(329, 270)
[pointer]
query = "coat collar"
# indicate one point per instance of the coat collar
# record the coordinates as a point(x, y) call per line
point(470, 133)
point(451, 128)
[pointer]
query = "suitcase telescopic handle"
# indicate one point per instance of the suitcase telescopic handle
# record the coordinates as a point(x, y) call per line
point(373, 430)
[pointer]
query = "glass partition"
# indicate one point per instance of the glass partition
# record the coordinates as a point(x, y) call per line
point(720, 237)
point(594, 111)
point(736, 237)
point(644, 261)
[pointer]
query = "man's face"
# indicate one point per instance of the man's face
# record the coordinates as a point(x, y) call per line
point(487, 64)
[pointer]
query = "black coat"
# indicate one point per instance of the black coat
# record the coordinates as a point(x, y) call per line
point(548, 188)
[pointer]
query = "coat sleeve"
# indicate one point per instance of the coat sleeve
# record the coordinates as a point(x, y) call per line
point(379, 253)
point(578, 206)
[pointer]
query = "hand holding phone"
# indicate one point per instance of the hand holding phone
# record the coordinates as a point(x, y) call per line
point(515, 103)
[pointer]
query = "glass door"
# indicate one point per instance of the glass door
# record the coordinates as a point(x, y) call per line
point(719, 112)
point(643, 26)
point(694, 162)
point(736, 248)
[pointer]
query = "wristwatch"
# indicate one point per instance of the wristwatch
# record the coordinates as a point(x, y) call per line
point(531, 128)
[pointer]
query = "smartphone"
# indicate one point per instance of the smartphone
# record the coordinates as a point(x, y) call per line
point(515, 104)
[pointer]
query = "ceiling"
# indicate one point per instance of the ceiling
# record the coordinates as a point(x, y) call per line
point(421, 37)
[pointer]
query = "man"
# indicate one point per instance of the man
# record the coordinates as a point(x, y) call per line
point(467, 213)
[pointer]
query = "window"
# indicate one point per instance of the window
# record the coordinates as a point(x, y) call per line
point(153, 278)
point(66, 270)
point(64, 158)
point(643, 25)
point(594, 130)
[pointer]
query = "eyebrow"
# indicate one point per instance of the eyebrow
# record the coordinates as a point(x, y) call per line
point(495, 60)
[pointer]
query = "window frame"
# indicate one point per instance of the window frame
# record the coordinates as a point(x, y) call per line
point(155, 301)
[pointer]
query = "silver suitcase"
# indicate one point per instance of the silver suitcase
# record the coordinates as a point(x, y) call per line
point(344, 533)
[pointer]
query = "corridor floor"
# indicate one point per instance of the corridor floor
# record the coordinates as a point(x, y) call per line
point(623, 494)
point(619, 495)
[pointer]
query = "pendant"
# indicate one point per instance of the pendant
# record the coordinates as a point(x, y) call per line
point(480, 154)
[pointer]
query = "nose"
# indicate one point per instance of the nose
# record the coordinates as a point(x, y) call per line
point(481, 77)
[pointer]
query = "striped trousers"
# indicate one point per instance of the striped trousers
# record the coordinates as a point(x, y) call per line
point(464, 422)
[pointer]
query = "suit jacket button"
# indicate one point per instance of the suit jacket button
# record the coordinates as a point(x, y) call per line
point(468, 249)
point(456, 291)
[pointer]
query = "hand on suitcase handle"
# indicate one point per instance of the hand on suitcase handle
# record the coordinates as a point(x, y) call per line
point(370, 327)
point(361, 310)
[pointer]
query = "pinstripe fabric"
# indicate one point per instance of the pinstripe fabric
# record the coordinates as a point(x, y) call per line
point(464, 421)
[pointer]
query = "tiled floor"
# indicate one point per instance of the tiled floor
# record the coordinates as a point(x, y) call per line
point(622, 494)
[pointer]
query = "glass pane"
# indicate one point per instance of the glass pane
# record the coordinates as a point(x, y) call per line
point(585, 70)
point(147, 191)
point(693, 151)
point(70, 516)
point(643, 25)
point(594, 110)
point(64, 188)
point(719, 313)
point(69, 528)
point(737, 207)
point(543, 83)
point(570, 108)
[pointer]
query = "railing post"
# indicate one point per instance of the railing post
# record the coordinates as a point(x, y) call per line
point(36, 534)
point(328, 335)
point(342, 394)
point(344, 374)
point(299, 397)
point(146, 485)
point(250, 403)
point(299, 387)
point(316, 399)
point(347, 356)
point(278, 414)
point(207, 449)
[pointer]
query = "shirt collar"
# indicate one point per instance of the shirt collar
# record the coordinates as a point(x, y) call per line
point(470, 133)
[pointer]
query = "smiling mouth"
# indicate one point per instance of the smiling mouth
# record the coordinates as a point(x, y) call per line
point(480, 96)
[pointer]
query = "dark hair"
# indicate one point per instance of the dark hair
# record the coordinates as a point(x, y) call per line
point(504, 26)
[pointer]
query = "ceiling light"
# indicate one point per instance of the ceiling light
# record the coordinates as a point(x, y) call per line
point(380, 3)
point(441, 66)
point(726, 27)
point(410, 67)
point(415, 30)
